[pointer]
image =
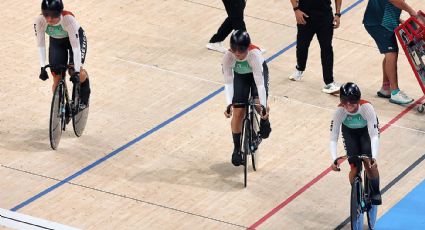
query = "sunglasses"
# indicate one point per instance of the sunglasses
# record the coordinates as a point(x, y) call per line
point(51, 14)
point(349, 102)
point(238, 49)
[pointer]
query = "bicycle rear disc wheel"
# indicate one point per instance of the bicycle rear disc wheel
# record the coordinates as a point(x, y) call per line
point(57, 113)
point(371, 216)
point(79, 114)
point(372, 211)
point(355, 208)
point(254, 156)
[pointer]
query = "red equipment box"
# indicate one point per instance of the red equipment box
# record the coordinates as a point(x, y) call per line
point(411, 35)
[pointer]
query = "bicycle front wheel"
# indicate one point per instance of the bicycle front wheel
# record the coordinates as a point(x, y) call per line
point(245, 149)
point(255, 153)
point(57, 115)
point(355, 207)
point(79, 114)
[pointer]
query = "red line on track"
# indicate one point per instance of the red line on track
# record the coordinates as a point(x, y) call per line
point(325, 172)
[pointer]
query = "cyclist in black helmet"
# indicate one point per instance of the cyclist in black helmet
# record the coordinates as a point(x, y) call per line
point(360, 131)
point(65, 34)
point(245, 71)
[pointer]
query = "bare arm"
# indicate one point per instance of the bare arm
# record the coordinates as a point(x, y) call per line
point(402, 5)
point(338, 4)
point(299, 15)
point(337, 19)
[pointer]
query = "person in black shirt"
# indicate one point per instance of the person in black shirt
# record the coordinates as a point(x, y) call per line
point(316, 17)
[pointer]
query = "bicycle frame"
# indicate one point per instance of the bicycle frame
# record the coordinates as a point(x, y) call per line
point(360, 201)
point(253, 121)
point(249, 138)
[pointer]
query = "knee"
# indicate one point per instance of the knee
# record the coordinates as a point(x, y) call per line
point(83, 75)
point(238, 113)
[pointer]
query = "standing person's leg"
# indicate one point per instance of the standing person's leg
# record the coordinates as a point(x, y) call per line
point(223, 31)
point(385, 91)
point(305, 34)
point(390, 68)
point(236, 11)
point(325, 33)
point(387, 44)
point(226, 27)
point(324, 36)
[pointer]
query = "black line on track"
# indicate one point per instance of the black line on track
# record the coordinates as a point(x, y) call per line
point(127, 197)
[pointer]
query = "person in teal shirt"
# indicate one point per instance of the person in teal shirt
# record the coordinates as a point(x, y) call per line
point(380, 19)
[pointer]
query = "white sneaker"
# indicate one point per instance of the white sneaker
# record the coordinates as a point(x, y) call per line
point(217, 46)
point(400, 98)
point(384, 93)
point(297, 75)
point(331, 88)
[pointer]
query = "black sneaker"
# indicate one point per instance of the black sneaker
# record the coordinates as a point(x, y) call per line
point(376, 199)
point(236, 158)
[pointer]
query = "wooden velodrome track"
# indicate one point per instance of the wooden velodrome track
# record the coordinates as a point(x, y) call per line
point(156, 150)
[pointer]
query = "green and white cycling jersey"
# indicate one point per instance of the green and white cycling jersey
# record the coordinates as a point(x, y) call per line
point(253, 63)
point(364, 117)
point(66, 28)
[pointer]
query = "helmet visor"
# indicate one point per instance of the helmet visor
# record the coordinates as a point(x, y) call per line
point(239, 49)
point(347, 101)
point(51, 14)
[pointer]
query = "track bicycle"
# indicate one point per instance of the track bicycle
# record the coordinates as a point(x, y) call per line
point(63, 109)
point(250, 138)
point(360, 199)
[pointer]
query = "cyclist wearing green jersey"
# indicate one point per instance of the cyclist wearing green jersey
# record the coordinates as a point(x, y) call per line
point(359, 126)
point(245, 71)
point(66, 36)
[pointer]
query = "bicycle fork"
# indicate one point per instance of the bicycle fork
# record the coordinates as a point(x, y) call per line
point(254, 139)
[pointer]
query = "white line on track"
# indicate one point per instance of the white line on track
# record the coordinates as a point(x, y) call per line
point(277, 98)
point(168, 71)
point(16, 220)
